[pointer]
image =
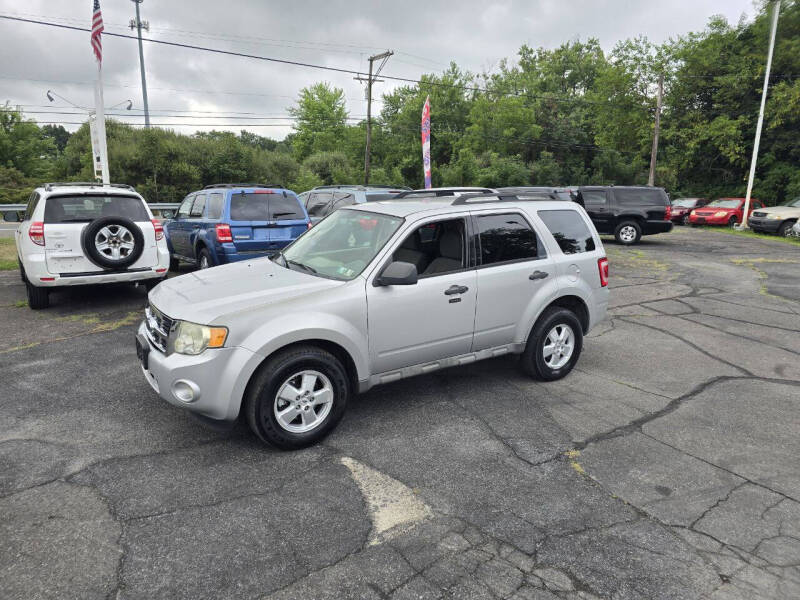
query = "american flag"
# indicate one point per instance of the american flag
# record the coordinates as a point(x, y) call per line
point(97, 29)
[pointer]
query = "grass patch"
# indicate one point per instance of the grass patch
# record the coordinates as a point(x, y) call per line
point(752, 234)
point(8, 254)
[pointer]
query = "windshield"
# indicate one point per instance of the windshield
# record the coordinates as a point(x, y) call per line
point(794, 202)
point(726, 203)
point(685, 202)
point(341, 245)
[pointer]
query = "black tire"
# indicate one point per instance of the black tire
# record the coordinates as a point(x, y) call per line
point(533, 360)
point(785, 228)
point(262, 391)
point(22, 275)
point(685, 220)
point(38, 297)
point(115, 224)
point(622, 233)
point(174, 263)
point(204, 260)
point(732, 222)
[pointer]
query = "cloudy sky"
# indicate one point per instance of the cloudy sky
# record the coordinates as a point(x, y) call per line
point(210, 91)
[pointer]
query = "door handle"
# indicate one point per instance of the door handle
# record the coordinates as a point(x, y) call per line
point(538, 275)
point(456, 289)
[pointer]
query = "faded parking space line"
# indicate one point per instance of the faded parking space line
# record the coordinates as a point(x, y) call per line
point(393, 507)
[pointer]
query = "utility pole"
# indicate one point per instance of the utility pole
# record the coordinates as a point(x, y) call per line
point(776, 9)
point(384, 56)
point(652, 179)
point(139, 25)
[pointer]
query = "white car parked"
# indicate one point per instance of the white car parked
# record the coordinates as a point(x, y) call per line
point(88, 233)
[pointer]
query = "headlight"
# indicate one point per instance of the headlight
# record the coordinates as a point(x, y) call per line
point(721, 213)
point(191, 338)
point(773, 216)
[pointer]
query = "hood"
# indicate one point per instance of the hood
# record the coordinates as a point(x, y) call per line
point(206, 296)
point(785, 212)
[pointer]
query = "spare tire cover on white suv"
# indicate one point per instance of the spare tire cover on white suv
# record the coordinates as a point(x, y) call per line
point(113, 242)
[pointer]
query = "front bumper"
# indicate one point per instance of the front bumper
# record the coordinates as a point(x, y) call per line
point(215, 378)
point(762, 224)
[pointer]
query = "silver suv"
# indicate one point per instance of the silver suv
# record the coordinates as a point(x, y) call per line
point(375, 293)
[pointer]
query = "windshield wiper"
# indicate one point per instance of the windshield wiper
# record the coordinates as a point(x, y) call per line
point(301, 265)
point(283, 214)
point(84, 220)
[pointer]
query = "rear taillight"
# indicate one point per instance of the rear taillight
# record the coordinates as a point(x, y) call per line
point(36, 233)
point(602, 266)
point(668, 213)
point(224, 234)
point(159, 229)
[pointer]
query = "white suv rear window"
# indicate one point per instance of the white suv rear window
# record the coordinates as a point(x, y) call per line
point(85, 208)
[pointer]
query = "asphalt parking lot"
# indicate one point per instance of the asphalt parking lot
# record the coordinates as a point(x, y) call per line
point(664, 466)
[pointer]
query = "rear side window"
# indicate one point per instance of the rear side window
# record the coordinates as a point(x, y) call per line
point(214, 206)
point(34, 200)
point(569, 230)
point(198, 206)
point(66, 209)
point(265, 207)
point(593, 197)
point(641, 196)
point(505, 238)
point(317, 203)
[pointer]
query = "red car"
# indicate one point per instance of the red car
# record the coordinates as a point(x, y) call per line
point(683, 206)
point(722, 211)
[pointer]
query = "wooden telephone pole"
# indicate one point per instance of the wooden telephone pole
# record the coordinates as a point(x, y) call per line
point(372, 78)
point(652, 179)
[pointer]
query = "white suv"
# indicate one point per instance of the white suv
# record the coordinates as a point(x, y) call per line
point(86, 233)
point(374, 293)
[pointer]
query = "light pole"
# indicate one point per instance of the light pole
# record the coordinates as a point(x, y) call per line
point(776, 9)
point(139, 25)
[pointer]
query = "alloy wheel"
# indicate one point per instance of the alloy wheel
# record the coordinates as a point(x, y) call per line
point(627, 234)
point(114, 242)
point(558, 346)
point(303, 401)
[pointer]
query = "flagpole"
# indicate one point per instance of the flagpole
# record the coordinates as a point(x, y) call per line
point(101, 123)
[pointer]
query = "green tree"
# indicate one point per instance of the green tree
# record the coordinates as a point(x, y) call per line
point(321, 119)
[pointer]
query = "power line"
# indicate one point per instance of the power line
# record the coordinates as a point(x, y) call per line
point(307, 65)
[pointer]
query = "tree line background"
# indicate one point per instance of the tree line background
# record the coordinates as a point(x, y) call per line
point(572, 115)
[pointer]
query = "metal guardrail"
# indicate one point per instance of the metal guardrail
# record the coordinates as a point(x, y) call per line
point(156, 207)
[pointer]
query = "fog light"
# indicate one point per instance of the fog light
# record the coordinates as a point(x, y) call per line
point(185, 391)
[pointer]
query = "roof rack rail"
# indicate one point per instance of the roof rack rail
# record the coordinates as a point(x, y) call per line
point(244, 185)
point(478, 197)
point(49, 186)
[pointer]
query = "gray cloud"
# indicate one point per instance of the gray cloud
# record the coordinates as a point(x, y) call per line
point(426, 36)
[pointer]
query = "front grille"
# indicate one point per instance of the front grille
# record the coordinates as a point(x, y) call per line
point(158, 327)
point(759, 214)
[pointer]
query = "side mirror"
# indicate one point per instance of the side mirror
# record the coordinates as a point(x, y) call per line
point(398, 273)
point(11, 216)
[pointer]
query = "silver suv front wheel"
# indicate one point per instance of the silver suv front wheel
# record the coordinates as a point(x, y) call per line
point(296, 397)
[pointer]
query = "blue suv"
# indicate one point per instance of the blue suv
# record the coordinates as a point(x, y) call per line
point(234, 221)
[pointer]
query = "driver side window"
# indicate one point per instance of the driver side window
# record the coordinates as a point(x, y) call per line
point(435, 248)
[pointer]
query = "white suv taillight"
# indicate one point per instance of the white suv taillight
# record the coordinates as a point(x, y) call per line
point(159, 228)
point(602, 265)
point(36, 233)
